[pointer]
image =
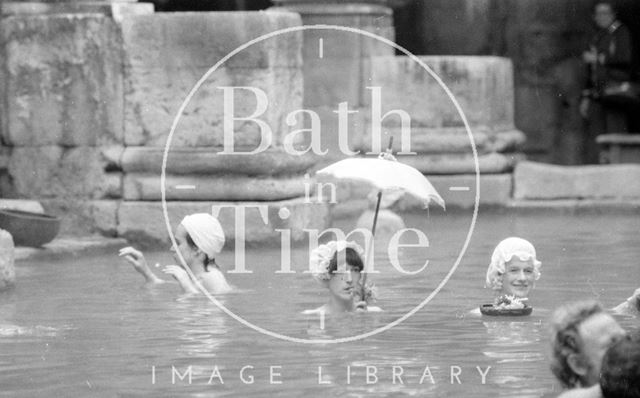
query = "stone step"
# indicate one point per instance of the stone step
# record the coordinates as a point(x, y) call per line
point(544, 181)
point(138, 186)
point(210, 161)
point(144, 223)
point(491, 163)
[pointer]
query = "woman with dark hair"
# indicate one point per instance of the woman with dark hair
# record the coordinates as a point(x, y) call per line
point(198, 238)
point(338, 266)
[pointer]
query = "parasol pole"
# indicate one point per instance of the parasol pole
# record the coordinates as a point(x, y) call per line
point(369, 255)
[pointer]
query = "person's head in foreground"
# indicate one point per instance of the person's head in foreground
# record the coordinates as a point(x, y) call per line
point(338, 266)
point(620, 373)
point(604, 13)
point(514, 268)
point(581, 332)
point(198, 238)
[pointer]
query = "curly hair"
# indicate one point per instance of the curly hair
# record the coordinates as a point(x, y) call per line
point(566, 340)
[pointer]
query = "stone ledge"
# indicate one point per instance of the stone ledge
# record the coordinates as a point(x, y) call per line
point(209, 161)
point(214, 187)
point(575, 206)
point(143, 223)
point(543, 181)
point(65, 247)
point(84, 217)
point(461, 164)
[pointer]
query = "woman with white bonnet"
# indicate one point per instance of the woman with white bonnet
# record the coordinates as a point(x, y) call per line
point(198, 238)
point(514, 268)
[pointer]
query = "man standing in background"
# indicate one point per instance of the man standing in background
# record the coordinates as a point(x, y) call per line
point(609, 61)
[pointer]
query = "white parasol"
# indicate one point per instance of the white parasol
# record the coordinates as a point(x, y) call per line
point(384, 173)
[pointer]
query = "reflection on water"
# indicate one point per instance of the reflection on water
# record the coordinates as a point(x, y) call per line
point(515, 345)
point(86, 327)
point(203, 327)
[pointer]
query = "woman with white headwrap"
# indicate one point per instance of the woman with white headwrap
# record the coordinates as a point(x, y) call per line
point(198, 238)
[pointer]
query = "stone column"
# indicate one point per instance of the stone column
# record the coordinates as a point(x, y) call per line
point(337, 72)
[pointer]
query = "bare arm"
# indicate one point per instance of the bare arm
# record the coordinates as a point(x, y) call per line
point(136, 258)
point(630, 305)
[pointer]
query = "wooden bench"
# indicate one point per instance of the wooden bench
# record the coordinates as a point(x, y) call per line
point(619, 148)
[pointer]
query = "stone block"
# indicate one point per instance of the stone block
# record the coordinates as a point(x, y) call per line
point(545, 182)
point(207, 161)
point(482, 86)
point(155, 94)
point(83, 217)
point(328, 82)
point(219, 187)
point(144, 222)
point(198, 40)
point(353, 133)
point(57, 172)
point(62, 80)
point(7, 259)
point(167, 53)
point(430, 164)
point(424, 140)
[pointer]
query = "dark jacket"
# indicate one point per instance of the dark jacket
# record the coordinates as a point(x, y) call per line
point(614, 57)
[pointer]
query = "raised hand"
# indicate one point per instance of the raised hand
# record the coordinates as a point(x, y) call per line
point(136, 258)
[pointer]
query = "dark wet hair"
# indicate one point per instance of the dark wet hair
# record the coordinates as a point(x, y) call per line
point(620, 373)
point(207, 261)
point(353, 259)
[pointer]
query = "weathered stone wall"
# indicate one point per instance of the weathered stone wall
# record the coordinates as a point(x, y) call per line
point(62, 115)
point(89, 102)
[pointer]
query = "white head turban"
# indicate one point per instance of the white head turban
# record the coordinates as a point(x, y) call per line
point(206, 232)
point(503, 253)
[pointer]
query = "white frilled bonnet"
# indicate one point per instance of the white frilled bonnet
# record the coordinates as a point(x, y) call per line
point(503, 253)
